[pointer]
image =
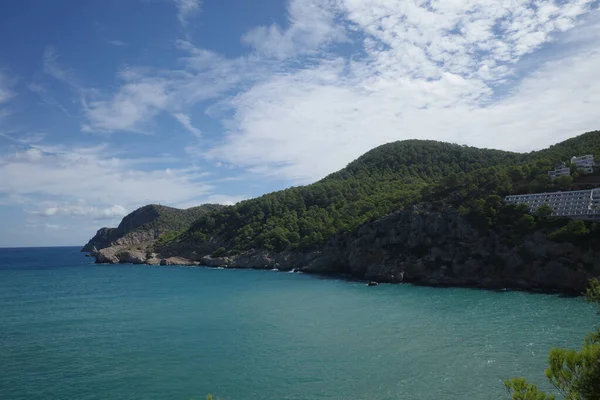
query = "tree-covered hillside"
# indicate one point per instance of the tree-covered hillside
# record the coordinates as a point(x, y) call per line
point(163, 218)
point(468, 191)
point(385, 179)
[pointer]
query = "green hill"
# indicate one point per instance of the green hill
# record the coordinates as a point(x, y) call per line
point(387, 178)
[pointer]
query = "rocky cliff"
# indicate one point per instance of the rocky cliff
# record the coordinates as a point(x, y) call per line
point(433, 248)
point(144, 225)
point(412, 246)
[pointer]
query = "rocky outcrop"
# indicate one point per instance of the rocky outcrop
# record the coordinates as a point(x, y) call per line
point(103, 238)
point(412, 246)
point(125, 233)
point(121, 255)
point(178, 261)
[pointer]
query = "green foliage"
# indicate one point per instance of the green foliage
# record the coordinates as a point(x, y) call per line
point(163, 218)
point(385, 179)
point(564, 182)
point(220, 252)
point(576, 374)
point(167, 237)
point(526, 174)
point(521, 390)
point(574, 231)
point(526, 222)
point(544, 211)
point(592, 293)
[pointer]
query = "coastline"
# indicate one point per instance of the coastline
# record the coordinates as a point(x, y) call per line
point(352, 278)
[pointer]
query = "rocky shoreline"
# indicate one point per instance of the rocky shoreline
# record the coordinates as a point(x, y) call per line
point(410, 246)
point(233, 264)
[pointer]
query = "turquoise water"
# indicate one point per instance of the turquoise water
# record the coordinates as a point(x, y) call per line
point(73, 330)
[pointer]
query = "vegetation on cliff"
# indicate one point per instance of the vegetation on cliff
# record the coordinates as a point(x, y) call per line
point(385, 179)
point(165, 218)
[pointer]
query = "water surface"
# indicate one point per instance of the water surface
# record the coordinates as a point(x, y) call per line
point(70, 329)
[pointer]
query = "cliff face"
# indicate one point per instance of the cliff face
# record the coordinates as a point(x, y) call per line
point(123, 234)
point(422, 247)
point(103, 238)
point(444, 249)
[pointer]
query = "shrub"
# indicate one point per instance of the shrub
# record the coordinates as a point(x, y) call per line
point(574, 231)
point(220, 252)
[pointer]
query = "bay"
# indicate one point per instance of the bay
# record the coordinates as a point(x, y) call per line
point(70, 329)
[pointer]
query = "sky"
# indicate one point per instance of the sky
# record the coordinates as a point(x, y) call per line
point(106, 106)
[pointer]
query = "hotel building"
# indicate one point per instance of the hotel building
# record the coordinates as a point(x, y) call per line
point(579, 204)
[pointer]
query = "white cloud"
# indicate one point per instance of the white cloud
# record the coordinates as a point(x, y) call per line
point(53, 226)
point(91, 175)
point(186, 9)
point(81, 209)
point(224, 199)
point(30, 155)
point(185, 121)
point(312, 25)
point(146, 92)
point(36, 226)
point(129, 109)
point(33, 137)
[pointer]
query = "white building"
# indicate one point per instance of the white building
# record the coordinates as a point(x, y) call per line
point(584, 162)
point(559, 170)
point(580, 204)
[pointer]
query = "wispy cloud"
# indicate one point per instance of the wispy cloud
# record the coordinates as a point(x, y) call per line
point(147, 92)
point(6, 84)
point(118, 43)
point(47, 97)
point(52, 67)
point(186, 9)
point(91, 175)
point(131, 108)
point(313, 24)
point(81, 209)
point(185, 121)
point(54, 226)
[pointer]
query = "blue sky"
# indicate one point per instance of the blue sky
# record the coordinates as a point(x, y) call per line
point(109, 105)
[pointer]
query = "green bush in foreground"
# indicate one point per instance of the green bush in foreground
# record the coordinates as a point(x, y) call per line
point(574, 373)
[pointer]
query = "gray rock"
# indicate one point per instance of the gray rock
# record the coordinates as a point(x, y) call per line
point(177, 261)
point(209, 261)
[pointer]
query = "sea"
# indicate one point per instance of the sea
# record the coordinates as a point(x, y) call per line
point(71, 329)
